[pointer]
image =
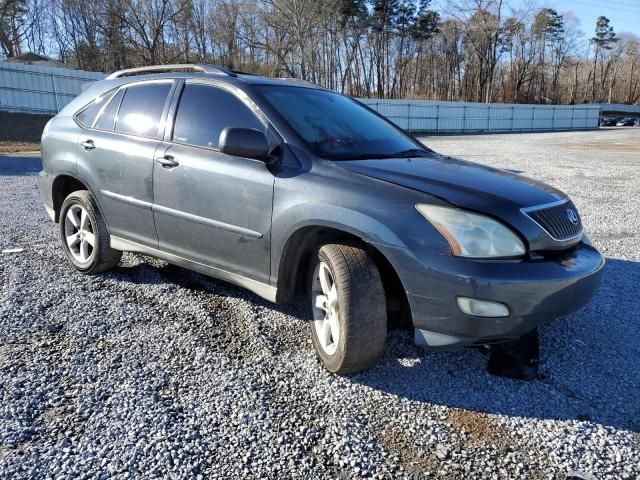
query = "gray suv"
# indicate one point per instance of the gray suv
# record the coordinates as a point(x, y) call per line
point(291, 190)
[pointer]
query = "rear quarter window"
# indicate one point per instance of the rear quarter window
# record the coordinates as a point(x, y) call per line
point(107, 118)
point(87, 116)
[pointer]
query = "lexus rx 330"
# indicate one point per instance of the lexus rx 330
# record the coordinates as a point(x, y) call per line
point(290, 190)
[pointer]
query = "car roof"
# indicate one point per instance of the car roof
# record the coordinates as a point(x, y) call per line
point(124, 77)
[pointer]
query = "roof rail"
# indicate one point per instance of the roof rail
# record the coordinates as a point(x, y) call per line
point(172, 68)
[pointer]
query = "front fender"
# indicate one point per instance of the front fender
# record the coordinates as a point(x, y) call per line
point(294, 220)
point(378, 212)
point(332, 216)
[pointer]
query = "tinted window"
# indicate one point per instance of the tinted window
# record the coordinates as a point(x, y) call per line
point(107, 118)
point(203, 113)
point(141, 109)
point(335, 126)
point(88, 115)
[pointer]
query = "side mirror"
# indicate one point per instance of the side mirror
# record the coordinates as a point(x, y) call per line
point(244, 142)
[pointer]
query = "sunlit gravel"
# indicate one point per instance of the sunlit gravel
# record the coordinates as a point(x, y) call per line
point(152, 371)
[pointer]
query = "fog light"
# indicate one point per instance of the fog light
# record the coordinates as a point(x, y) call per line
point(482, 308)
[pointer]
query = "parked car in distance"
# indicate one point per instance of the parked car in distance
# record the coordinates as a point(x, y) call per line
point(627, 122)
point(610, 122)
point(291, 190)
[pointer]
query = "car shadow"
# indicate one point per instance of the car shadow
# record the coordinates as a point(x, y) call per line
point(151, 271)
point(589, 365)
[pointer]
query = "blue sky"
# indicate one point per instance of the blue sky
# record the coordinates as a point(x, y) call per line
point(624, 14)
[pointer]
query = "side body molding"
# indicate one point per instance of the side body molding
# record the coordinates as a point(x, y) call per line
point(184, 215)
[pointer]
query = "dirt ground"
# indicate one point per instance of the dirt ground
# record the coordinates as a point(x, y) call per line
point(10, 146)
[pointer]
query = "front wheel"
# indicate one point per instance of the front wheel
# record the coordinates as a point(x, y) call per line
point(347, 308)
point(84, 235)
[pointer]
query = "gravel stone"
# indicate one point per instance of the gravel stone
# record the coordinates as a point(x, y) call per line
point(157, 372)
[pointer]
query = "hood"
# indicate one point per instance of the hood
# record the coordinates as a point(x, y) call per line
point(498, 193)
point(465, 184)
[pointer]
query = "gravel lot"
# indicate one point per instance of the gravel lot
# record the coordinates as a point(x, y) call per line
point(153, 371)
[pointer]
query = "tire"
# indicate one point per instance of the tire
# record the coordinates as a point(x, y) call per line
point(83, 228)
point(359, 309)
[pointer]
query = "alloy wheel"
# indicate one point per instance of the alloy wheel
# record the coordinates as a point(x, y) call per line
point(79, 233)
point(326, 310)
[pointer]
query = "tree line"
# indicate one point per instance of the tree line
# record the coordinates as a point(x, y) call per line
point(472, 50)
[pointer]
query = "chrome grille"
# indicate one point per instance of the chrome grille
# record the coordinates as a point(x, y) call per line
point(555, 220)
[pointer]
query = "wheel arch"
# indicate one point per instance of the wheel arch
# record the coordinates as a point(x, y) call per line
point(293, 268)
point(63, 185)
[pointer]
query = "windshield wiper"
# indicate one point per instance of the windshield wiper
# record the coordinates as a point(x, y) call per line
point(411, 152)
point(359, 156)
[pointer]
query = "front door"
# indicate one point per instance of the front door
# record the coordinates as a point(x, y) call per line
point(209, 207)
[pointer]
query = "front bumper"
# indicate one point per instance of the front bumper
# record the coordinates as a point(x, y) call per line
point(535, 290)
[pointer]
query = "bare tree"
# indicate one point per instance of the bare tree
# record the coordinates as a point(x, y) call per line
point(473, 50)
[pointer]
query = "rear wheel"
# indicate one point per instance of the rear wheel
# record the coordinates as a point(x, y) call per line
point(84, 235)
point(347, 308)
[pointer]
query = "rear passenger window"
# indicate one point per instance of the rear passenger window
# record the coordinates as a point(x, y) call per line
point(203, 113)
point(87, 116)
point(141, 109)
point(107, 118)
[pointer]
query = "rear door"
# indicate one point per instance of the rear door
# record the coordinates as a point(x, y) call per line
point(210, 207)
point(117, 157)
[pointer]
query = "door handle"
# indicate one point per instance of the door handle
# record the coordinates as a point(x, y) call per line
point(88, 145)
point(167, 161)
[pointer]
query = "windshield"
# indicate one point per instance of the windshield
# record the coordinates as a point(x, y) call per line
point(337, 127)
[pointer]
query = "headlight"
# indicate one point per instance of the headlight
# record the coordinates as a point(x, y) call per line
point(473, 235)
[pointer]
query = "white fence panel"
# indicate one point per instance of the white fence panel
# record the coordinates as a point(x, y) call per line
point(451, 117)
point(43, 90)
point(35, 89)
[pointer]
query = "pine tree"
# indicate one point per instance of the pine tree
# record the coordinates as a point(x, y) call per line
point(603, 41)
point(548, 28)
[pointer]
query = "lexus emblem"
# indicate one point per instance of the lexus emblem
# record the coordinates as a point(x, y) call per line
point(572, 216)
